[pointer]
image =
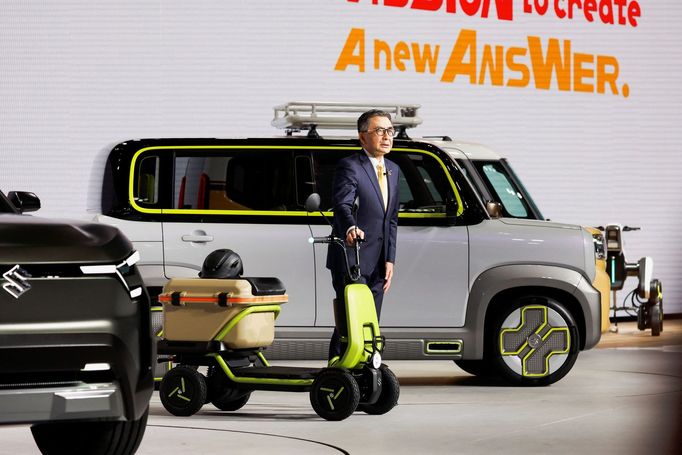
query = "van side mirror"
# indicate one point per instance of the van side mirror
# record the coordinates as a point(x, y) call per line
point(312, 203)
point(24, 201)
point(494, 209)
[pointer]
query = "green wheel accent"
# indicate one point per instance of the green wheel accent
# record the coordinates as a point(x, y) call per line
point(536, 342)
point(388, 398)
point(335, 394)
point(183, 391)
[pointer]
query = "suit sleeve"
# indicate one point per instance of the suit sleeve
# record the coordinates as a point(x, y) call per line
point(344, 189)
point(393, 220)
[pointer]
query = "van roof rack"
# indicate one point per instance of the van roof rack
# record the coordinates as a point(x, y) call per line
point(300, 115)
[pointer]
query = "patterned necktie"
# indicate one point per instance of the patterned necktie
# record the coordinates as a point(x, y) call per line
point(382, 185)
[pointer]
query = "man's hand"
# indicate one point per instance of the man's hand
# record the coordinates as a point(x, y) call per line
point(389, 276)
point(352, 234)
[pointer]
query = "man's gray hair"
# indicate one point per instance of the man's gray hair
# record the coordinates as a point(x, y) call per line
point(363, 121)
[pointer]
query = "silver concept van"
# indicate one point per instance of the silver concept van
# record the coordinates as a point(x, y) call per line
point(511, 297)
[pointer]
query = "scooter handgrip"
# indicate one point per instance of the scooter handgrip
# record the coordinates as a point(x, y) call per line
point(326, 239)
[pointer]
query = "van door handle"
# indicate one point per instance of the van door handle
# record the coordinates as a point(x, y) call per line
point(197, 238)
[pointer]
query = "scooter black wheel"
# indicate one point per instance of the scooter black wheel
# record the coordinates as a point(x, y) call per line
point(388, 398)
point(183, 391)
point(656, 315)
point(335, 394)
point(231, 400)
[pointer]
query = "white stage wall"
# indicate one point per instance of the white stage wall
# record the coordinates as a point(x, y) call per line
point(595, 139)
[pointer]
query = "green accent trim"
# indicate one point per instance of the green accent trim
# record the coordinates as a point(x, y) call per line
point(526, 358)
point(521, 325)
point(174, 391)
point(182, 397)
point(524, 370)
point(262, 359)
point(247, 380)
point(242, 314)
point(360, 314)
point(331, 405)
point(135, 206)
point(326, 389)
point(339, 392)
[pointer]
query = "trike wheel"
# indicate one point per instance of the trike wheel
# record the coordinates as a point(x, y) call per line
point(183, 391)
point(231, 400)
point(534, 341)
point(388, 398)
point(335, 394)
point(656, 315)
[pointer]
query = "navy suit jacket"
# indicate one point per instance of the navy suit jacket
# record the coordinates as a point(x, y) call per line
point(355, 176)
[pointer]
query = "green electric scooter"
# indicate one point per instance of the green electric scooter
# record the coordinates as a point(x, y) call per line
point(236, 363)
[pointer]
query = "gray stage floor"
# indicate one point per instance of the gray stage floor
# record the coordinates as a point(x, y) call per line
point(622, 400)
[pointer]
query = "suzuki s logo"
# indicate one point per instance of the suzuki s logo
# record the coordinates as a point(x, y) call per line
point(17, 283)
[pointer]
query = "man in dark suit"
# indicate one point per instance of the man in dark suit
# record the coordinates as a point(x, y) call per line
point(374, 180)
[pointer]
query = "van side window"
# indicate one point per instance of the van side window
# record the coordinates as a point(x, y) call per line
point(146, 191)
point(424, 186)
point(234, 180)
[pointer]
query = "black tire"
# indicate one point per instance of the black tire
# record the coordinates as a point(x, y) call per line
point(656, 320)
point(334, 394)
point(642, 315)
point(479, 367)
point(183, 391)
point(388, 398)
point(526, 335)
point(231, 400)
point(90, 438)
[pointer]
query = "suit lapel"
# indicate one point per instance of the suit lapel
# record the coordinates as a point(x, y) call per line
point(371, 173)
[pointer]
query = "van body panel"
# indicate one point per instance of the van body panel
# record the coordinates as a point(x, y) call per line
point(437, 252)
point(501, 242)
point(267, 250)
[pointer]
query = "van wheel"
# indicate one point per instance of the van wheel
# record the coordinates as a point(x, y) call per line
point(335, 394)
point(90, 438)
point(183, 391)
point(477, 367)
point(535, 341)
point(388, 398)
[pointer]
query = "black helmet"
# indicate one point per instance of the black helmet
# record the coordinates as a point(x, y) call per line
point(222, 264)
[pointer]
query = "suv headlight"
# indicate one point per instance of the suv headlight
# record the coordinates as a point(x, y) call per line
point(122, 271)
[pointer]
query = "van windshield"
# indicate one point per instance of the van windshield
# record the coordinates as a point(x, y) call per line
point(503, 185)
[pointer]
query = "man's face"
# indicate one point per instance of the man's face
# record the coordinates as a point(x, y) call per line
point(375, 144)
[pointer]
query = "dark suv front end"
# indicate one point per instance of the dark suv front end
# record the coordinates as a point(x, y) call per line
point(75, 337)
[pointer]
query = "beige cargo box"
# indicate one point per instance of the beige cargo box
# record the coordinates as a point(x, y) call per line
point(195, 310)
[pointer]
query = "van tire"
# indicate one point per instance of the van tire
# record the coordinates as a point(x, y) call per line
point(477, 367)
point(520, 341)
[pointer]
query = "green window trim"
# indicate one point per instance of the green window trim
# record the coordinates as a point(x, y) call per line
point(135, 206)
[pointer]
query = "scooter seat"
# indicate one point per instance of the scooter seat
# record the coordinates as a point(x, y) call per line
point(266, 286)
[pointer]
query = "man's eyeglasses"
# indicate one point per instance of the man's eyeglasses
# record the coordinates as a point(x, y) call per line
point(382, 131)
